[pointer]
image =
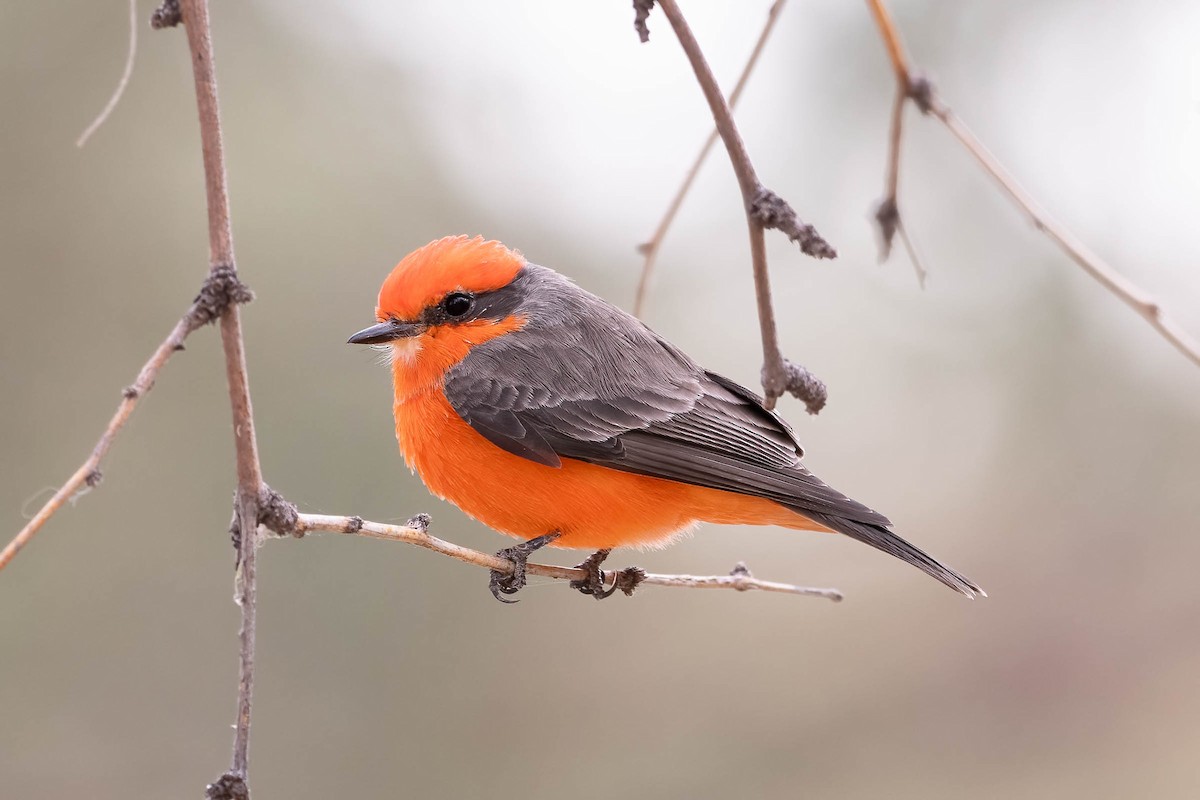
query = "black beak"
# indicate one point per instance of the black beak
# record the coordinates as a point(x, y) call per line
point(386, 332)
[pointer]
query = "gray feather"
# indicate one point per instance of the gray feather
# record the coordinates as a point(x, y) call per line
point(585, 380)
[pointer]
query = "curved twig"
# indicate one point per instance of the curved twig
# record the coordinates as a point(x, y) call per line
point(650, 248)
point(121, 84)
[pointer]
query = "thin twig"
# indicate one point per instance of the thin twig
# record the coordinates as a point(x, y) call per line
point(121, 84)
point(924, 95)
point(651, 247)
point(220, 290)
point(88, 474)
point(891, 40)
point(1132, 295)
point(740, 579)
point(763, 209)
point(249, 472)
point(887, 211)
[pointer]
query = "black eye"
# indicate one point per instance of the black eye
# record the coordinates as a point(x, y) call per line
point(457, 304)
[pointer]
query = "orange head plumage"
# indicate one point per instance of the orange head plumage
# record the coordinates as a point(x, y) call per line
point(455, 263)
point(440, 301)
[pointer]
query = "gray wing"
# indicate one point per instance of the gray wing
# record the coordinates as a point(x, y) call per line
point(584, 380)
point(607, 390)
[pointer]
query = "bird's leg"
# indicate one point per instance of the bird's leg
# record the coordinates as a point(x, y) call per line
point(518, 554)
point(593, 584)
point(626, 580)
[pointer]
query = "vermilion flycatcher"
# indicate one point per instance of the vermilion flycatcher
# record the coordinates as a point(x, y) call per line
point(543, 411)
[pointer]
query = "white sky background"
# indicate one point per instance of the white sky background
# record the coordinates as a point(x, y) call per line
point(554, 112)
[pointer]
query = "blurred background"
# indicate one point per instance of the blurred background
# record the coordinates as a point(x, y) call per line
point(1013, 418)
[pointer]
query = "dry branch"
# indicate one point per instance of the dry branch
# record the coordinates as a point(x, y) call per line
point(219, 292)
point(923, 94)
point(194, 16)
point(649, 249)
point(416, 533)
point(763, 209)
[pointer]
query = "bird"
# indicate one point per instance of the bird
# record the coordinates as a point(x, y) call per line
point(553, 416)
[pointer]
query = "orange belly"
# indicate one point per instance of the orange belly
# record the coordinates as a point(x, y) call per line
point(590, 506)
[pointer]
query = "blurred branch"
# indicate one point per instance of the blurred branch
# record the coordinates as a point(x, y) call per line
point(764, 209)
point(121, 84)
point(912, 86)
point(416, 532)
point(650, 248)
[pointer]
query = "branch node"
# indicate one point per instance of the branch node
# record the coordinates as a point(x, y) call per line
point(277, 514)
point(923, 93)
point(228, 787)
point(166, 15)
point(742, 577)
point(220, 290)
point(796, 381)
point(628, 579)
point(420, 522)
point(772, 211)
point(94, 478)
point(641, 12)
point(355, 524)
point(887, 217)
point(130, 393)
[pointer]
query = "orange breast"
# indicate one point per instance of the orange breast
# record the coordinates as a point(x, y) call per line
point(591, 506)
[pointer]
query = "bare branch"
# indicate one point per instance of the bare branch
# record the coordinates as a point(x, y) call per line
point(775, 378)
point(215, 296)
point(121, 84)
point(88, 473)
point(650, 248)
point(924, 95)
point(1133, 296)
point(887, 210)
point(194, 14)
point(891, 40)
point(416, 533)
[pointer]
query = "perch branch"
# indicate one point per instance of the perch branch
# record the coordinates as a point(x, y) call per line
point(764, 209)
point(416, 533)
point(925, 96)
point(650, 248)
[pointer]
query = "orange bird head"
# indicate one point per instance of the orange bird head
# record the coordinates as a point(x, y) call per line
point(442, 300)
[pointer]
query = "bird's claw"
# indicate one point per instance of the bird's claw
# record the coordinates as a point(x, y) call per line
point(626, 580)
point(593, 584)
point(501, 583)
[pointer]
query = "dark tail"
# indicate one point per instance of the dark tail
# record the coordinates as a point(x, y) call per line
point(881, 538)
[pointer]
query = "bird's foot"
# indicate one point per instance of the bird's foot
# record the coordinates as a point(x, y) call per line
point(500, 583)
point(626, 580)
